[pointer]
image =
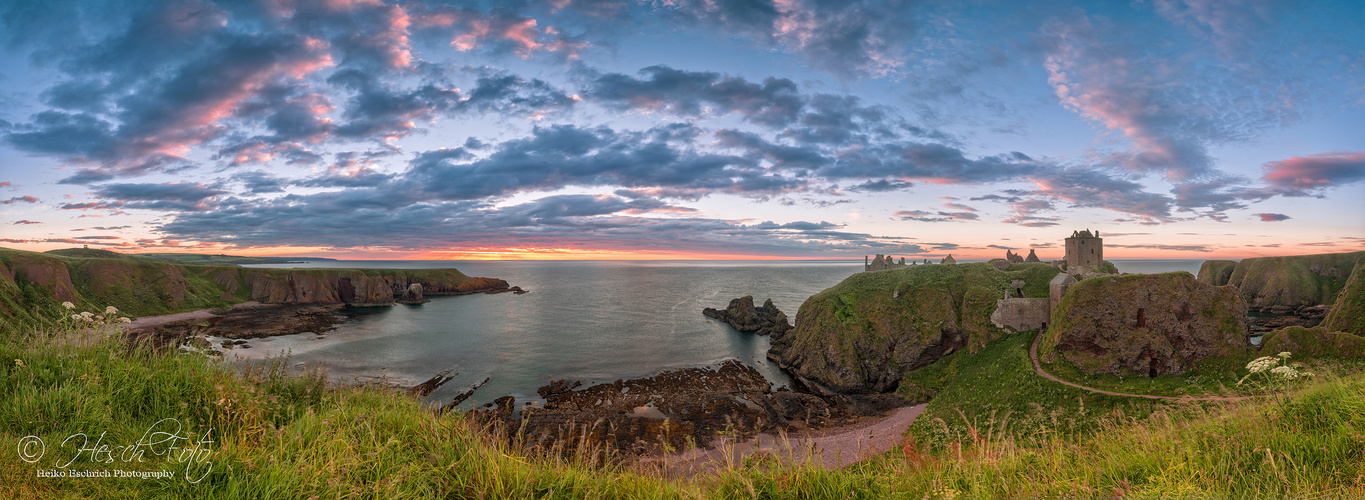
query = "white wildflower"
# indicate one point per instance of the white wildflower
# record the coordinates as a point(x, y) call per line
point(125, 320)
point(99, 317)
point(68, 305)
point(1284, 355)
point(77, 317)
point(88, 315)
point(1261, 364)
point(111, 310)
point(1285, 372)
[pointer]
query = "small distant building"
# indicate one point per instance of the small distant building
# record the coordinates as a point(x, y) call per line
point(1032, 257)
point(882, 263)
point(948, 260)
point(1084, 249)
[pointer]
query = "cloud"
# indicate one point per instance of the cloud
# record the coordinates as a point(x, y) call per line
point(847, 39)
point(1301, 174)
point(1173, 248)
point(1268, 217)
point(20, 199)
point(25, 221)
point(774, 103)
point(925, 216)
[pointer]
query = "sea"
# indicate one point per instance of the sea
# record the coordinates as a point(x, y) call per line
point(594, 321)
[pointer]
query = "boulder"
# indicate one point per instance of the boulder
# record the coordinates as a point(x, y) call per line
point(1145, 324)
point(743, 316)
point(1002, 265)
point(412, 295)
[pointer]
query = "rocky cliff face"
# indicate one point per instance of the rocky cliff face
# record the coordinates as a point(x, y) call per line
point(139, 286)
point(1145, 324)
point(864, 334)
point(1293, 281)
point(1348, 312)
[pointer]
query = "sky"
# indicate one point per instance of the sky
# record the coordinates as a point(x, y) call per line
point(683, 129)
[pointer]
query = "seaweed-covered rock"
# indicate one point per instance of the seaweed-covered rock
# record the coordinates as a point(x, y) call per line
point(1348, 313)
point(1145, 324)
point(1216, 272)
point(864, 334)
point(1293, 281)
point(743, 316)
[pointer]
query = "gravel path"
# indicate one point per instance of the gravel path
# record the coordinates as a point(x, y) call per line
point(828, 448)
point(1038, 368)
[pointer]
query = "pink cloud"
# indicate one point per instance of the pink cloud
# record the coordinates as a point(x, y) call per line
point(1272, 217)
point(1315, 171)
point(20, 199)
point(4, 184)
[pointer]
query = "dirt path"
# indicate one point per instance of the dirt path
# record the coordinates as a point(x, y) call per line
point(1038, 368)
point(148, 322)
point(828, 448)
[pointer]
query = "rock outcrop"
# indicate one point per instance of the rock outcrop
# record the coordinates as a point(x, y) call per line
point(743, 316)
point(1348, 312)
point(864, 334)
point(1145, 324)
point(676, 407)
point(413, 295)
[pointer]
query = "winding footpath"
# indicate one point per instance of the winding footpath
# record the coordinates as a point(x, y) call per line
point(1038, 368)
point(828, 449)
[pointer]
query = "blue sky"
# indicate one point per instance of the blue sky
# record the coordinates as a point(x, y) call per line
point(683, 128)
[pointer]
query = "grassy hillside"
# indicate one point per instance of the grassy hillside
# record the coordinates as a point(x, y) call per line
point(865, 332)
point(1348, 312)
point(1293, 281)
point(1216, 272)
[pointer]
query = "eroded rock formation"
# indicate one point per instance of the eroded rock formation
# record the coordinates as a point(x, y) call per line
point(743, 316)
point(1145, 324)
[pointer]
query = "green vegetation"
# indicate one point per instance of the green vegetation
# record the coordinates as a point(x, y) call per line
point(996, 388)
point(865, 332)
point(993, 430)
point(1348, 313)
point(1216, 272)
point(1293, 281)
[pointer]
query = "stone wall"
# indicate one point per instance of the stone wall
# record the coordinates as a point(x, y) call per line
point(1021, 314)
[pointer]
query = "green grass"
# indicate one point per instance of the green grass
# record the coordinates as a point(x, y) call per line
point(993, 429)
point(997, 388)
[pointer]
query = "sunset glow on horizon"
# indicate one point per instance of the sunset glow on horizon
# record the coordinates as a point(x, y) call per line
point(687, 130)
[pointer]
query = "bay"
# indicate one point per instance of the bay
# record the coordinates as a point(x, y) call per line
point(595, 321)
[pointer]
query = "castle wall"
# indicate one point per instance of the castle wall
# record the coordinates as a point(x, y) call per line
point(1021, 314)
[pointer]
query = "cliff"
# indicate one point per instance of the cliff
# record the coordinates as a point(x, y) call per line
point(1348, 312)
point(32, 285)
point(1293, 281)
point(864, 334)
point(1145, 324)
point(1216, 272)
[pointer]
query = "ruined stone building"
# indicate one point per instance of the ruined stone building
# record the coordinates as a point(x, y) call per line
point(882, 263)
point(1084, 249)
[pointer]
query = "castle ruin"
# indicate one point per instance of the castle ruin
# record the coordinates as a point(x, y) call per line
point(1084, 250)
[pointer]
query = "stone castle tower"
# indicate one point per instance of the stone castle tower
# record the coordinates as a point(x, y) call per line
point(1084, 249)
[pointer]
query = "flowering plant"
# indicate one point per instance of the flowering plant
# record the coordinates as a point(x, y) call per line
point(1276, 366)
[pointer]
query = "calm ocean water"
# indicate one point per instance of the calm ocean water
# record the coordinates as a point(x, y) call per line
point(587, 320)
